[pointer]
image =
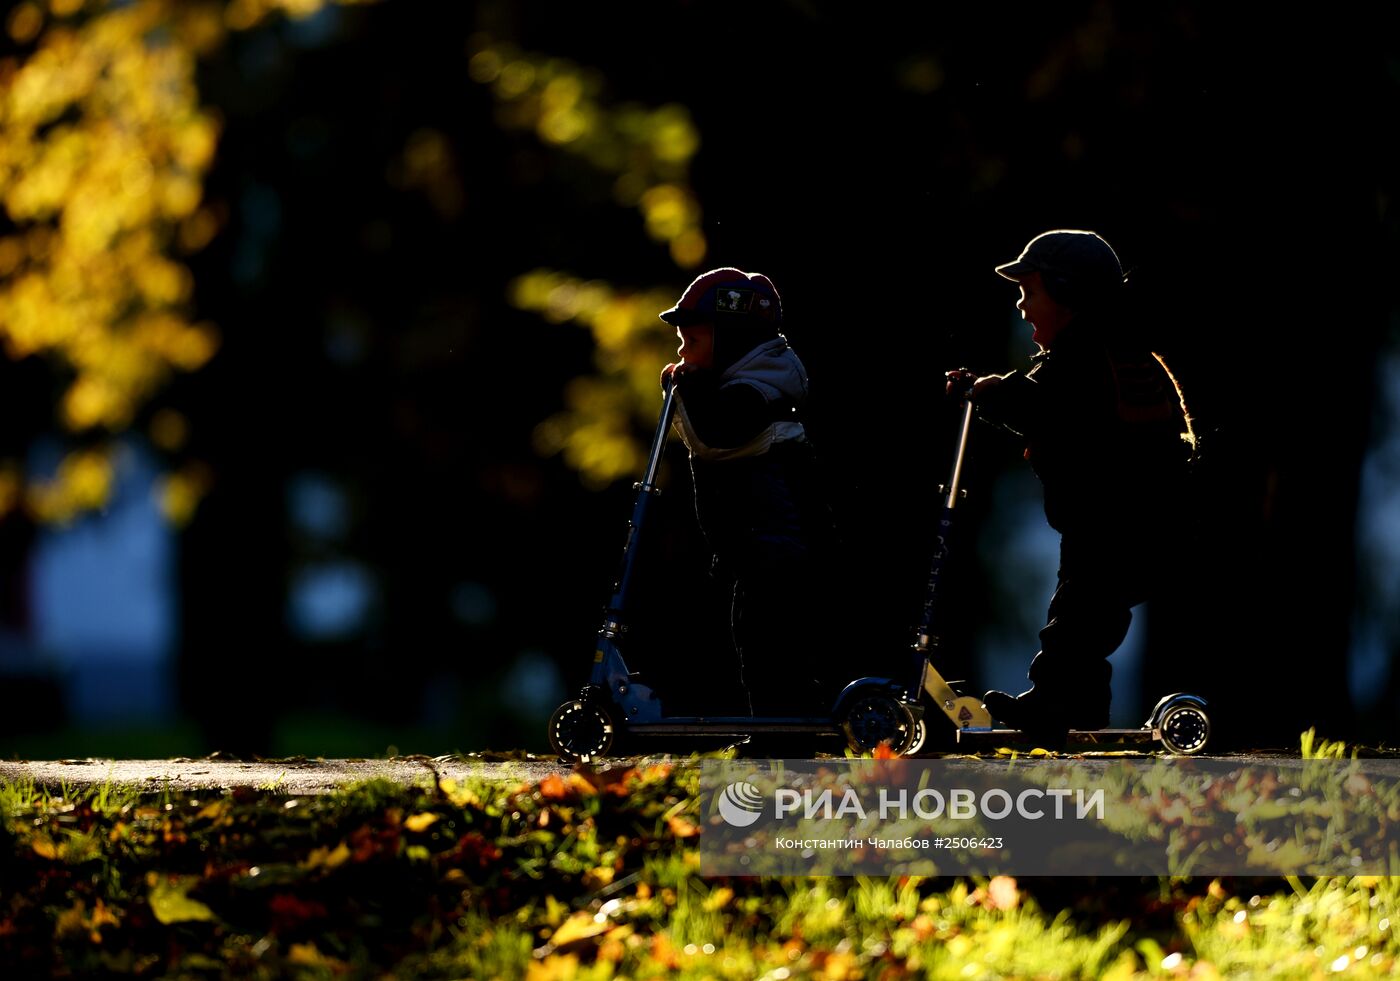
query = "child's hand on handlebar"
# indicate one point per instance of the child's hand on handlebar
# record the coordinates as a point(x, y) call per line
point(674, 371)
point(961, 379)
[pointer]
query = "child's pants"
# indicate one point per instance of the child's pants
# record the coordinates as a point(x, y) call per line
point(1098, 584)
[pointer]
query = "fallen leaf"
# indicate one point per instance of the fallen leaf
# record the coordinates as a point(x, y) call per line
point(329, 858)
point(171, 904)
point(459, 795)
point(553, 968)
point(552, 787)
point(1002, 893)
point(840, 966)
point(611, 950)
point(683, 827)
point(70, 921)
point(664, 952)
point(308, 956)
point(295, 910)
point(102, 915)
point(581, 926)
point(213, 811)
point(599, 877)
point(582, 785)
point(421, 822)
point(718, 899)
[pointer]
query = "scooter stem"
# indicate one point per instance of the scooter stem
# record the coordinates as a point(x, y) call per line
point(926, 638)
point(658, 442)
point(953, 486)
point(615, 621)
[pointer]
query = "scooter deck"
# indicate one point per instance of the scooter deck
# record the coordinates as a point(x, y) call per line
point(1091, 737)
point(732, 725)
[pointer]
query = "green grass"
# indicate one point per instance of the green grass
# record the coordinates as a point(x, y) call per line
point(590, 876)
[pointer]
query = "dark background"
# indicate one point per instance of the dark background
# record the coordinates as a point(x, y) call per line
point(876, 161)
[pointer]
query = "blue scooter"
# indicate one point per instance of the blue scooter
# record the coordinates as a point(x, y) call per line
point(614, 703)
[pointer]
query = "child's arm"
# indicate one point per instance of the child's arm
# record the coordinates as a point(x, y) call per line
point(1011, 401)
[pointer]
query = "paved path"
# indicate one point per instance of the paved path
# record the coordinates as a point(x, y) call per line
point(314, 776)
point(285, 776)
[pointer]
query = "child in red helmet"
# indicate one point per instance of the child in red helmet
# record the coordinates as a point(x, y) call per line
point(1105, 430)
point(740, 388)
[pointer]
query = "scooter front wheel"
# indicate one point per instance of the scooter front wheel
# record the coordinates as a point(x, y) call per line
point(879, 718)
point(581, 731)
point(919, 737)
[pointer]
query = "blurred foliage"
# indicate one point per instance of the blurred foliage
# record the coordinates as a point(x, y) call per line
point(647, 153)
point(104, 149)
point(595, 433)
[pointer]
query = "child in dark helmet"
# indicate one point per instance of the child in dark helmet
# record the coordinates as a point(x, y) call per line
point(1105, 429)
point(740, 387)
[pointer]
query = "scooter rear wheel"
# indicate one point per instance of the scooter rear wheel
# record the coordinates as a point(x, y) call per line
point(1185, 728)
point(878, 718)
point(581, 731)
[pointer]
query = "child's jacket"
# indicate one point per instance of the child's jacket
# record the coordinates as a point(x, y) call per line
point(1103, 426)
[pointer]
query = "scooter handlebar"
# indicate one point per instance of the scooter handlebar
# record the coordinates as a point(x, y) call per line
point(960, 382)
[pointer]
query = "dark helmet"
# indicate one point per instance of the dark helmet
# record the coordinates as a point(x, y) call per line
point(725, 296)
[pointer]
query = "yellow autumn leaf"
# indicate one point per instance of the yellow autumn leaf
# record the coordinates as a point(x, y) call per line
point(308, 955)
point(580, 926)
point(458, 795)
point(328, 858)
point(1125, 968)
point(718, 899)
point(103, 916)
point(840, 966)
point(959, 946)
point(171, 904)
point(70, 921)
point(599, 877)
point(553, 968)
point(213, 811)
point(421, 822)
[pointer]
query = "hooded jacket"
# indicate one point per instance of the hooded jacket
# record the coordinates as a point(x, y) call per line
point(757, 493)
point(747, 408)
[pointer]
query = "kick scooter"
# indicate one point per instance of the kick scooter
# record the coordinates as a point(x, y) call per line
point(614, 703)
point(1178, 722)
